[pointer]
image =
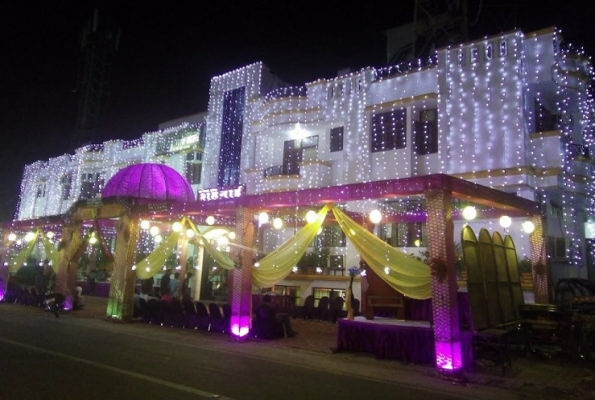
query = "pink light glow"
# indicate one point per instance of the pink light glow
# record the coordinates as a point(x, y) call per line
point(240, 326)
point(448, 356)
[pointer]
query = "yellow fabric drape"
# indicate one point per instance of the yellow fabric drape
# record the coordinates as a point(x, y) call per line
point(406, 274)
point(154, 262)
point(278, 264)
point(51, 253)
point(19, 259)
point(222, 259)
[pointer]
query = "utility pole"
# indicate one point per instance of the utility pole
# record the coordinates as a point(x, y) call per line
point(98, 45)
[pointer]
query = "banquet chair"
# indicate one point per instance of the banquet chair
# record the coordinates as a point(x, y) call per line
point(336, 309)
point(216, 321)
point(202, 316)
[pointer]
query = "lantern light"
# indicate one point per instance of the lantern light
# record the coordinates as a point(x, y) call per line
point(144, 224)
point(210, 220)
point(12, 237)
point(154, 231)
point(50, 235)
point(190, 233)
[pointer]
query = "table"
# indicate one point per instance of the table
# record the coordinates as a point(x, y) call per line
point(407, 341)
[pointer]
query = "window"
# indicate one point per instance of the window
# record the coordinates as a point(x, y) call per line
point(336, 262)
point(40, 190)
point(331, 236)
point(298, 150)
point(426, 132)
point(193, 167)
point(319, 293)
point(293, 292)
point(389, 130)
point(461, 57)
point(489, 51)
point(66, 184)
point(503, 48)
point(474, 54)
point(91, 185)
point(337, 139)
point(402, 235)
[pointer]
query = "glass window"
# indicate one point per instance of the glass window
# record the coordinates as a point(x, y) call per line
point(331, 293)
point(337, 139)
point(389, 130)
point(426, 132)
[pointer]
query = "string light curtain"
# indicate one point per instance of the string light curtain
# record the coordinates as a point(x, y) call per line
point(278, 263)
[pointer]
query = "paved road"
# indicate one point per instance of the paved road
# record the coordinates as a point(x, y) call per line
point(42, 357)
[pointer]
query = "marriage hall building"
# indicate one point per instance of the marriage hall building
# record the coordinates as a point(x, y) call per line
point(512, 112)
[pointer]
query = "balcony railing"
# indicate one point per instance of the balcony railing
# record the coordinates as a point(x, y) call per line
point(280, 170)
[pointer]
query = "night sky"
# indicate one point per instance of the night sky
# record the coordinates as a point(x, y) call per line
point(167, 56)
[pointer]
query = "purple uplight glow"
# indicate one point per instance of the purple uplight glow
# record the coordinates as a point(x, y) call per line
point(448, 356)
point(240, 326)
point(149, 181)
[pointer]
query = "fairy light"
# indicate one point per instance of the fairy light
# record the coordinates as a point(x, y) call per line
point(483, 93)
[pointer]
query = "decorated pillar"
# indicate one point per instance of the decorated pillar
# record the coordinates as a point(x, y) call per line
point(540, 271)
point(120, 305)
point(183, 245)
point(4, 276)
point(445, 309)
point(70, 249)
point(198, 272)
point(241, 276)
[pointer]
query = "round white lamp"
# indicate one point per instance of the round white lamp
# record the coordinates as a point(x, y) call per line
point(311, 217)
point(144, 224)
point(210, 220)
point(176, 227)
point(528, 227)
point(505, 221)
point(469, 213)
point(277, 223)
point(375, 216)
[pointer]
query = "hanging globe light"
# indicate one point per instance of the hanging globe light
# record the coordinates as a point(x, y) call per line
point(311, 216)
point(154, 231)
point(469, 213)
point(528, 227)
point(263, 218)
point(210, 220)
point(176, 227)
point(29, 236)
point(277, 223)
point(144, 224)
point(12, 237)
point(505, 221)
point(375, 216)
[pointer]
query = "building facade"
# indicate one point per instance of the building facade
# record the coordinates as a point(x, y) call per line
point(511, 112)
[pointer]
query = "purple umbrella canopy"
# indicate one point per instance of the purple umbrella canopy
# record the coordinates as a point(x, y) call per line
point(149, 181)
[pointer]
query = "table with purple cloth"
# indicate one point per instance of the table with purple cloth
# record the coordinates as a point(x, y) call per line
point(406, 341)
point(101, 288)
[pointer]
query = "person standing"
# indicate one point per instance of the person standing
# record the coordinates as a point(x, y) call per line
point(174, 285)
point(164, 284)
point(92, 280)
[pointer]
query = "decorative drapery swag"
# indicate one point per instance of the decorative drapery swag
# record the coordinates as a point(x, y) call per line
point(403, 273)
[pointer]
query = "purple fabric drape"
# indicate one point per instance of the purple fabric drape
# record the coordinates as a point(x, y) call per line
point(410, 344)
